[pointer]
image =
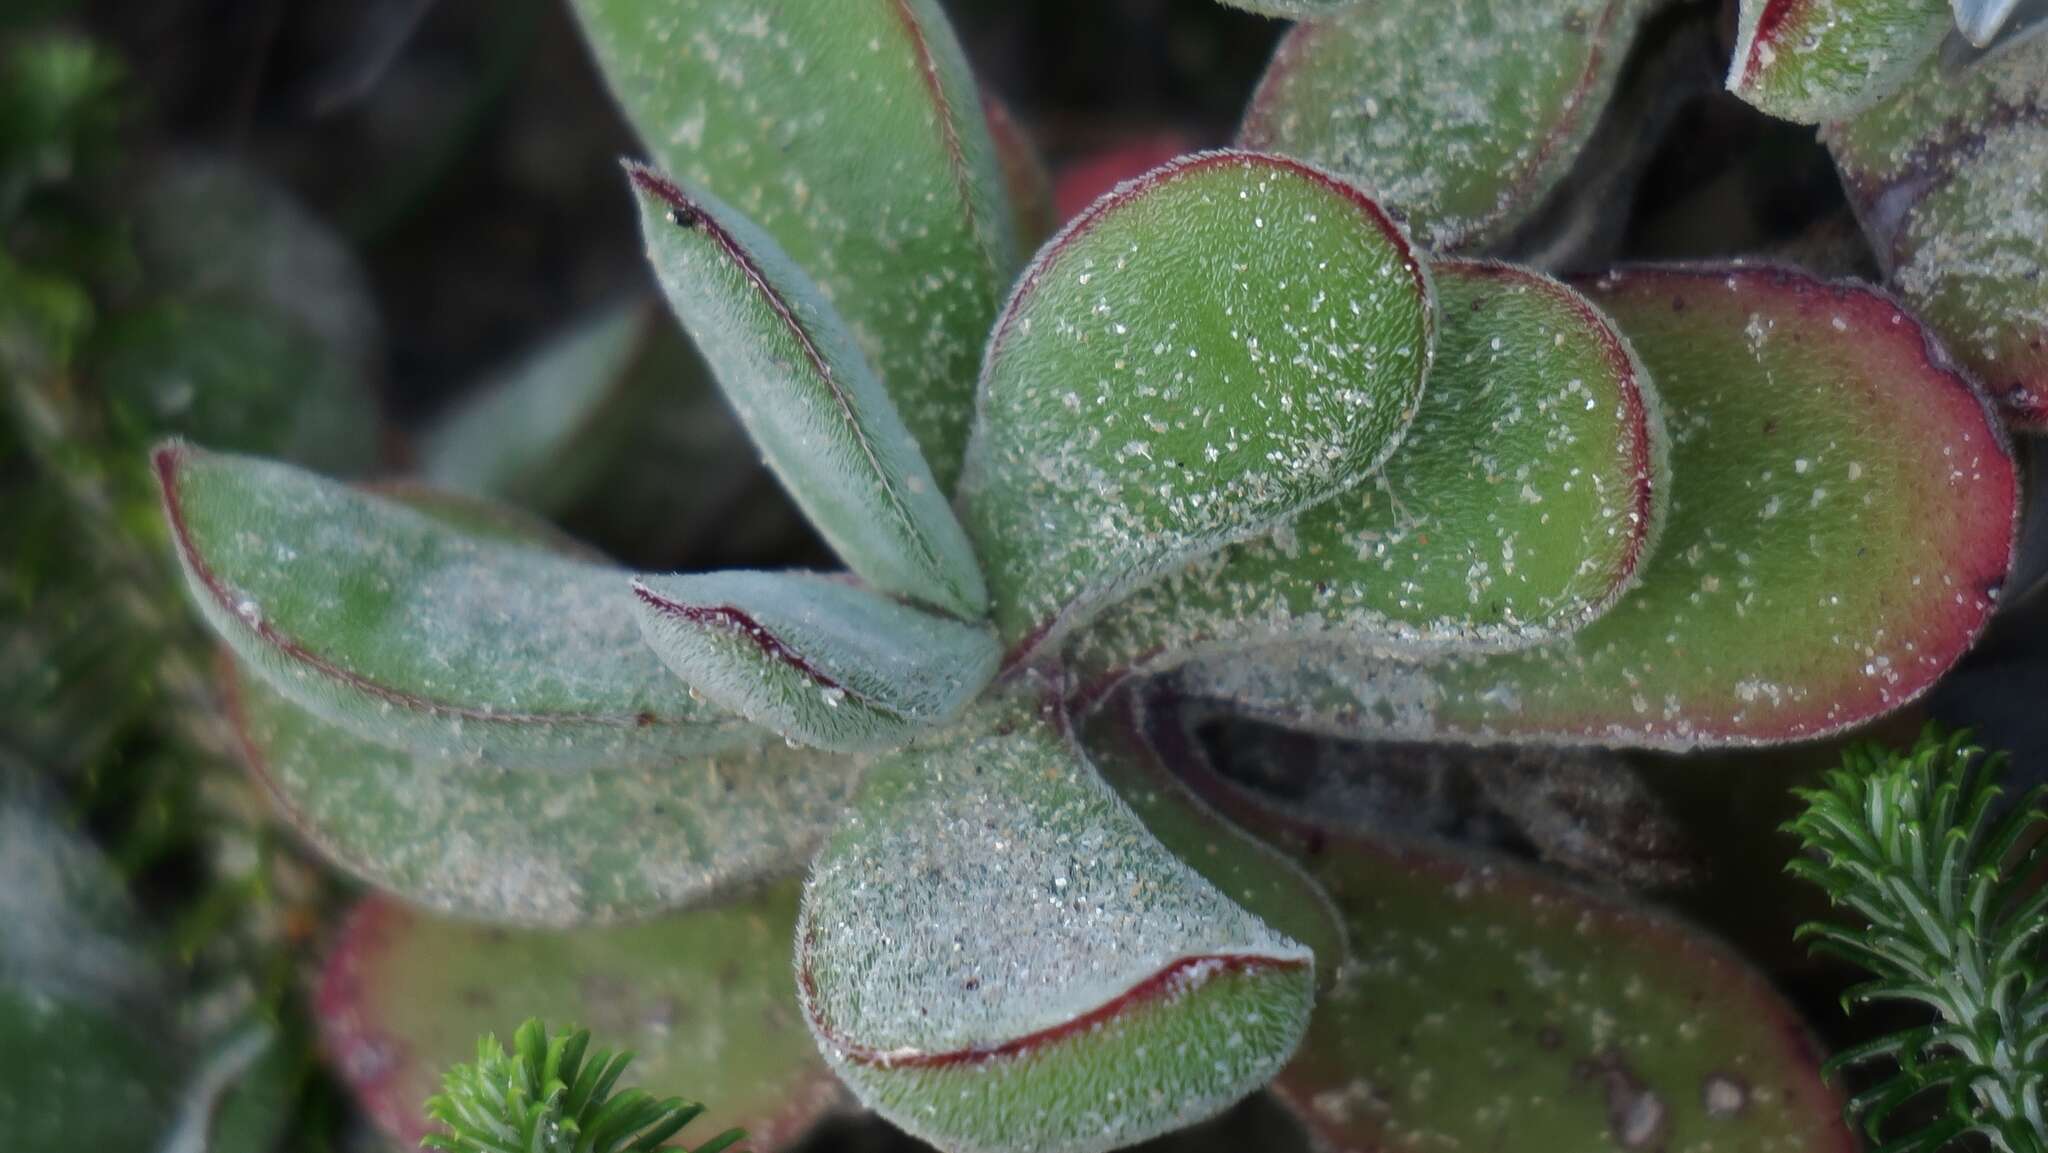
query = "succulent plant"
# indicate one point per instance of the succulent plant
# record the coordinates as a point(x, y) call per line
point(1301, 430)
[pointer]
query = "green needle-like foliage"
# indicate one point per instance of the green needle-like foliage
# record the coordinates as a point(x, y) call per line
point(1952, 913)
point(553, 1095)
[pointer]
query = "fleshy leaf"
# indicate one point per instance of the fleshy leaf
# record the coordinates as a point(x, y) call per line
point(1841, 524)
point(1295, 9)
point(823, 662)
point(851, 132)
point(797, 378)
point(1946, 177)
point(530, 847)
point(1518, 508)
point(410, 633)
point(1205, 352)
point(1490, 1005)
point(996, 956)
point(1461, 116)
point(701, 999)
point(1024, 174)
point(1819, 60)
point(612, 426)
point(1136, 759)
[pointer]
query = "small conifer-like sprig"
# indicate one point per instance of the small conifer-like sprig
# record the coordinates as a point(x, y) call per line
point(1952, 913)
point(553, 1095)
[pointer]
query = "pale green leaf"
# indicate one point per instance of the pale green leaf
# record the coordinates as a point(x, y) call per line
point(410, 633)
point(1461, 116)
point(538, 847)
point(851, 131)
point(1203, 354)
point(1519, 507)
point(815, 658)
point(1819, 60)
point(797, 378)
point(1841, 526)
point(996, 956)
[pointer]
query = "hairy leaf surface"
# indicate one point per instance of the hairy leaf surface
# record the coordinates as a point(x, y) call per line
point(702, 999)
point(411, 633)
point(1138, 760)
point(1488, 1004)
point(818, 660)
point(1841, 525)
point(1460, 116)
point(851, 132)
point(532, 847)
point(1205, 352)
point(1946, 177)
point(1519, 507)
point(997, 956)
point(1819, 60)
point(797, 378)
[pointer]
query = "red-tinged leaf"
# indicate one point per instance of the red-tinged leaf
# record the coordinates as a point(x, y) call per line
point(1032, 202)
point(701, 999)
point(1842, 515)
point(1461, 116)
point(1946, 177)
point(996, 956)
point(851, 132)
point(1489, 1004)
point(410, 632)
point(1519, 507)
point(1818, 60)
point(1206, 352)
point(550, 847)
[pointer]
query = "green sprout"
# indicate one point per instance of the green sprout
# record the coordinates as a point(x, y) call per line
point(1945, 886)
point(553, 1095)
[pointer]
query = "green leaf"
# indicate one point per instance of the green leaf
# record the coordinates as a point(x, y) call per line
point(701, 999)
point(995, 955)
point(1490, 1005)
point(1519, 507)
point(528, 847)
point(1841, 524)
point(1204, 353)
point(613, 426)
point(797, 378)
point(1819, 60)
point(823, 662)
point(1946, 179)
point(852, 133)
point(1137, 758)
point(1459, 116)
point(410, 633)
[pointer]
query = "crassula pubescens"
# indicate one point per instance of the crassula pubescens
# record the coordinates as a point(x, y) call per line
point(1273, 429)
